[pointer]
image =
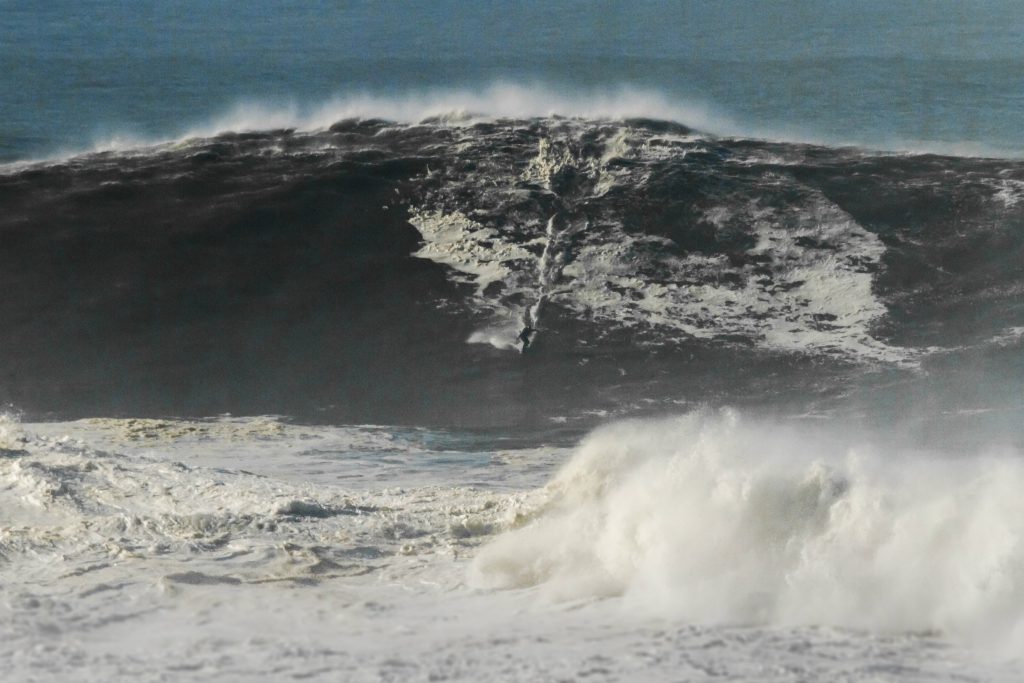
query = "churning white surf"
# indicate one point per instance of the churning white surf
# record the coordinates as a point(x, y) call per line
point(714, 518)
point(252, 549)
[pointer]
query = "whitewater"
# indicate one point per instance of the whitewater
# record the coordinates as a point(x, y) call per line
point(695, 547)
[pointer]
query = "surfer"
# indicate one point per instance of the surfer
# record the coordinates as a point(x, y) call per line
point(524, 336)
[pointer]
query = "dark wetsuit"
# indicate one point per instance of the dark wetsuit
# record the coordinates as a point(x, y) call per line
point(524, 336)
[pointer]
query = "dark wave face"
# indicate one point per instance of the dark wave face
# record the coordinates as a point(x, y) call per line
point(381, 273)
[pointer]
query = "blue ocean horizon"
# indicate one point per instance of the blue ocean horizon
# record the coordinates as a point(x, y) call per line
point(943, 77)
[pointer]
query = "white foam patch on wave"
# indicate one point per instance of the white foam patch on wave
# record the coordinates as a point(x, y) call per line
point(1008, 337)
point(499, 337)
point(818, 299)
point(470, 249)
point(711, 518)
point(1008, 191)
point(807, 284)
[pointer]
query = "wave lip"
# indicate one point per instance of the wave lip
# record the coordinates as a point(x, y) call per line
point(446, 106)
point(713, 518)
point(508, 99)
point(526, 100)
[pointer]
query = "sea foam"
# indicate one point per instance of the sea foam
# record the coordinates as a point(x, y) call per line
point(713, 518)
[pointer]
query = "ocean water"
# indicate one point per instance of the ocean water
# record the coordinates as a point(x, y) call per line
point(267, 413)
point(943, 76)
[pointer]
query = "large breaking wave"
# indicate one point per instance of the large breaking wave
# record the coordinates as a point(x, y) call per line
point(345, 273)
